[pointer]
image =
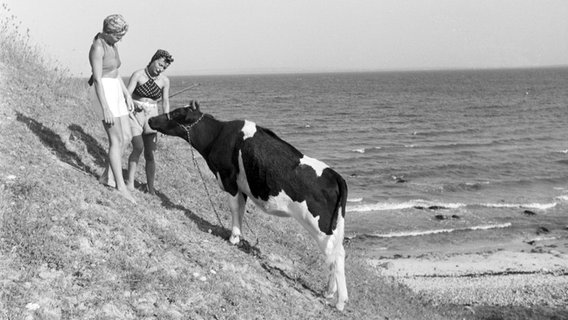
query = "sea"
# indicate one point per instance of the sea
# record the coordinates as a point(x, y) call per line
point(434, 160)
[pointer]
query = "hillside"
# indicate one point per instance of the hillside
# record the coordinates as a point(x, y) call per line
point(71, 248)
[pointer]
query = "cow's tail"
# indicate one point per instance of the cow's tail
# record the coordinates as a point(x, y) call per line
point(342, 194)
point(340, 215)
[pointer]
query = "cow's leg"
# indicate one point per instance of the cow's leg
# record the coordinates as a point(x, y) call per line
point(331, 281)
point(237, 206)
point(334, 253)
point(338, 265)
point(335, 258)
point(342, 295)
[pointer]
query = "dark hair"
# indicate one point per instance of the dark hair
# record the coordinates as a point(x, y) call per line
point(162, 54)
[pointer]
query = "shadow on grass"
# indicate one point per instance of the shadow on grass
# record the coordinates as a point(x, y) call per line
point(53, 141)
point(98, 153)
point(244, 245)
point(206, 226)
point(202, 224)
point(295, 280)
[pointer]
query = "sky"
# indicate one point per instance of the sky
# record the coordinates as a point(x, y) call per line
point(281, 36)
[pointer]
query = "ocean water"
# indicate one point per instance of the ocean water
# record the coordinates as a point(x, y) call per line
point(432, 159)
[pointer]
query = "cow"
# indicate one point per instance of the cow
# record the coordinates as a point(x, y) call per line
point(252, 162)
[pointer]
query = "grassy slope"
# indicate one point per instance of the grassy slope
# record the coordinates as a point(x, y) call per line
point(72, 248)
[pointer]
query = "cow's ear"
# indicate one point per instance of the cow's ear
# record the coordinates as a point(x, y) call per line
point(194, 104)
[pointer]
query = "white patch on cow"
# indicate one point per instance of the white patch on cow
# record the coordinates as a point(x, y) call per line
point(281, 205)
point(331, 243)
point(242, 180)
point(316, 164)
point(249, 129)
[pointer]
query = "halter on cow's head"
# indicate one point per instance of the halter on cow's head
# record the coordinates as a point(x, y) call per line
point(192, 117)
point(184, 118)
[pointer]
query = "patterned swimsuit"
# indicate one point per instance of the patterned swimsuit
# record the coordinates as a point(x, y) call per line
point(148, 90)
point(147, 109)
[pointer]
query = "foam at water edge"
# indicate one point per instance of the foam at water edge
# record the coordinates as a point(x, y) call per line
point(363, 150)
point(538, 206)
point(427, 232)
point(380, 206)
point(402, 205)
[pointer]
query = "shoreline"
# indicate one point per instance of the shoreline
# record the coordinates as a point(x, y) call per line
point(494, 276)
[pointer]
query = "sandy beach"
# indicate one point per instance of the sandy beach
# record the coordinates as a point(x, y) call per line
point(526, 274)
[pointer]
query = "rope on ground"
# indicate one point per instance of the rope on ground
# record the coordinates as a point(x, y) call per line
point(205, 186)
point(209, 194)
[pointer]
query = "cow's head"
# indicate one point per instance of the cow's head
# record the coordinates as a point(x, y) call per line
point(177, 122)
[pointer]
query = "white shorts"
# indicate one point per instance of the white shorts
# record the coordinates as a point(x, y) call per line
point(139, 118)
point(114, 97)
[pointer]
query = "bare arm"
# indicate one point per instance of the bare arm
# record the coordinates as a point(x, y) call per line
point(166, 95)
point(133, 81)
point(127, 96)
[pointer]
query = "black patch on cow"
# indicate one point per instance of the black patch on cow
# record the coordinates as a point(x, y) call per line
point(272, 165)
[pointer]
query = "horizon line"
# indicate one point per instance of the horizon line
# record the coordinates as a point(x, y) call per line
point(260, 72)
point(316, 71)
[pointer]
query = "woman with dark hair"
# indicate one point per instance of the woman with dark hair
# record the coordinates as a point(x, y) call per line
point(147, 86)
point(111, 97)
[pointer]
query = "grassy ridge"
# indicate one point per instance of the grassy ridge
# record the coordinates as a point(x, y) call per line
point(71, 248)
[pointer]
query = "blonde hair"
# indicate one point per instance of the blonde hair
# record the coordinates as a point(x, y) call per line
point(115, 23)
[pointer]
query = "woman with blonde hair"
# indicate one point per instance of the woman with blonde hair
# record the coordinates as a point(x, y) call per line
point(113, 101)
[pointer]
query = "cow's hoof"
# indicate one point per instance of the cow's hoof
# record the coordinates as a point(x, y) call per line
point(234, 240)
point(340, 303)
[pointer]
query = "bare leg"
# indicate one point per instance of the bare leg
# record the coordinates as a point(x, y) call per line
point(137, 148)
point(114, 133)
point(107, 178)
point(149, 147)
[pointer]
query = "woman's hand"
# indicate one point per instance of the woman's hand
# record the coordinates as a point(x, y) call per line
point(129, 103)
point(108, 118)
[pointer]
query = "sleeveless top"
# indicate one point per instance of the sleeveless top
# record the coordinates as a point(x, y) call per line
point(111, 59)
point(149, 89)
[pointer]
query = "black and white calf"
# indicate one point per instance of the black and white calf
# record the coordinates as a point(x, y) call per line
point(252, 162)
